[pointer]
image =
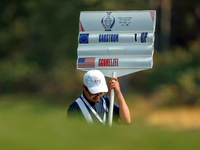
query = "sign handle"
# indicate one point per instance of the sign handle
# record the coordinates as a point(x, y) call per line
point(112, 95)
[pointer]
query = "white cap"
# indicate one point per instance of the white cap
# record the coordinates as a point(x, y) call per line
point(95, 81)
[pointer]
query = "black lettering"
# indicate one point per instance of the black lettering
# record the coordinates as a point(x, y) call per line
point(135, 37)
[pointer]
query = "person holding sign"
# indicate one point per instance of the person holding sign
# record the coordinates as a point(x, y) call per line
point(93, 104)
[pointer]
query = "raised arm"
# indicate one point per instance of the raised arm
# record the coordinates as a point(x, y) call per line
point(124, 112)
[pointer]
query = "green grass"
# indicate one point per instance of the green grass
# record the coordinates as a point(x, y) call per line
point(32, 124)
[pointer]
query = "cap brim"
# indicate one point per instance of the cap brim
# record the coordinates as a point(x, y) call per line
point(95, 90)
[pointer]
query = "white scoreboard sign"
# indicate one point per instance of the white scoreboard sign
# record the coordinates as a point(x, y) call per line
point(116, 41)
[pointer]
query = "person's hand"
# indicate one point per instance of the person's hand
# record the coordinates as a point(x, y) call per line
point(114, 84)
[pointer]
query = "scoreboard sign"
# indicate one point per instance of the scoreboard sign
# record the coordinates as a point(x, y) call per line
point(116, 41)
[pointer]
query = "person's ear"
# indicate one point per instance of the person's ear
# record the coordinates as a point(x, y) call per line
point(84, 87)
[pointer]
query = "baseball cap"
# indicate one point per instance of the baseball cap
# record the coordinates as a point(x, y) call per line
point(95, 81)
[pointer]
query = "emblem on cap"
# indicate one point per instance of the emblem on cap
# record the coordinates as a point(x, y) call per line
point(98, 81)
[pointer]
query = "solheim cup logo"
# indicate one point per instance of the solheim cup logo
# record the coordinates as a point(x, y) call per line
point(108, 21)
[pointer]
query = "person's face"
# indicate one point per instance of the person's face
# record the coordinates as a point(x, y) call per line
point(92, 97)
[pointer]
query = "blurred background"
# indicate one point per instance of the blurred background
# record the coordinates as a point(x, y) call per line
point(38, 52)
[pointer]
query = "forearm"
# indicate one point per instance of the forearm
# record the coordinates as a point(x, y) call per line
point(124, 112)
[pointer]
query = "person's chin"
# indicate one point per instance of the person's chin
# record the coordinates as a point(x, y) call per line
point(95, 99)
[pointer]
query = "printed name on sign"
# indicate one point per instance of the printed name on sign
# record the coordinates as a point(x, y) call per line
point(110, 62)
point(108, 37)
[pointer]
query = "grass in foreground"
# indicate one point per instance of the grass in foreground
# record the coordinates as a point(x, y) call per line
point(38, 125)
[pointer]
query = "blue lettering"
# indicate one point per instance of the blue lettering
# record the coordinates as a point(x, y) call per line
point(111, 38)
point(143, 37)
point(108, 37)
point(99, 37)
point(117, 38)
point(104, 38)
